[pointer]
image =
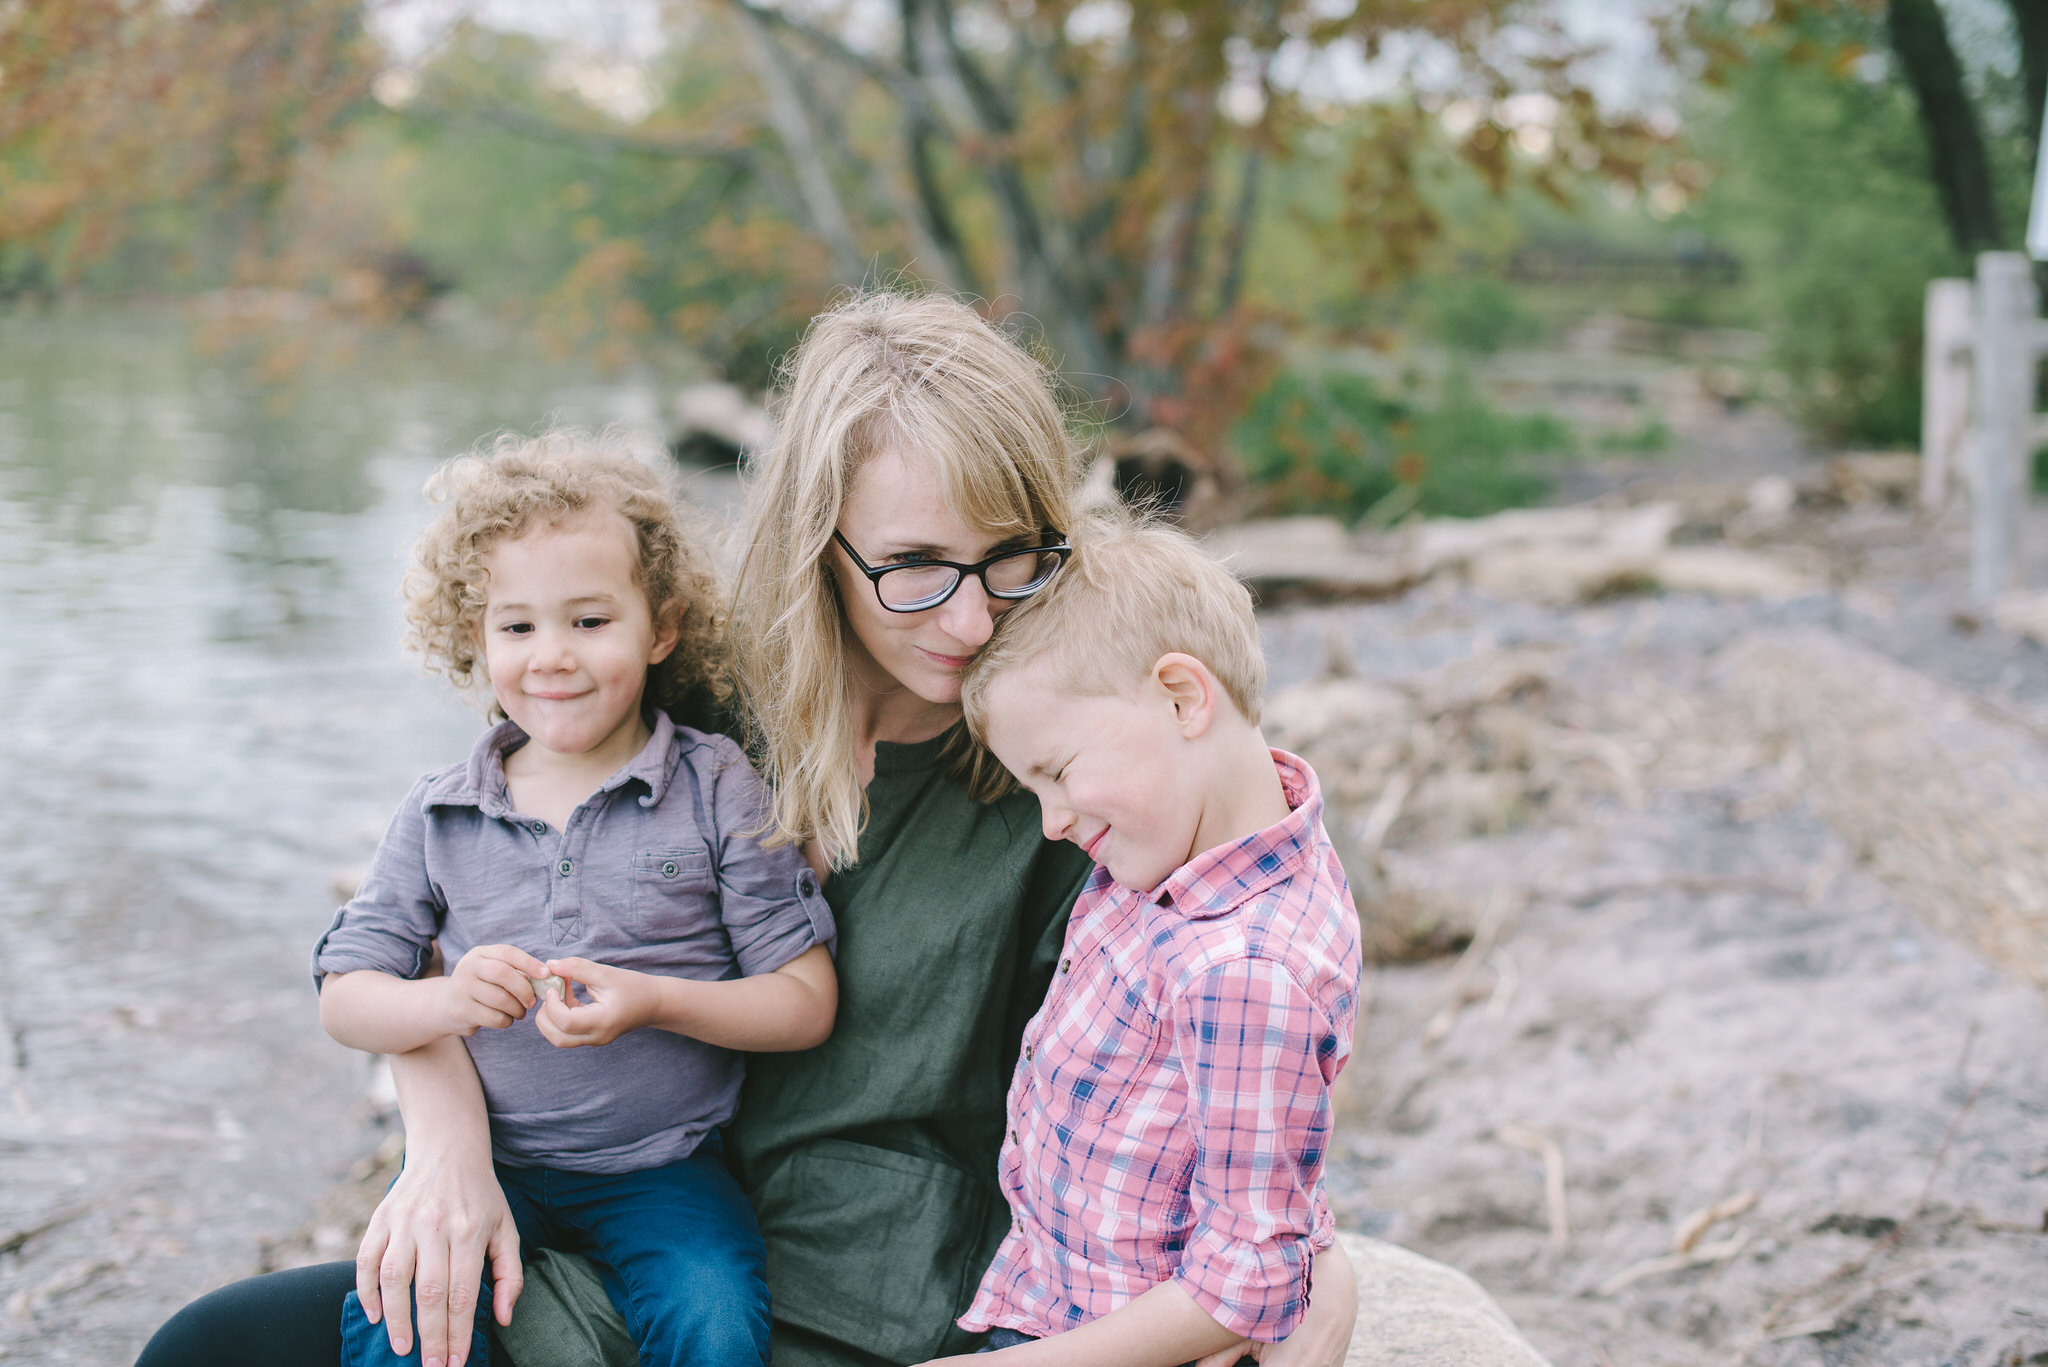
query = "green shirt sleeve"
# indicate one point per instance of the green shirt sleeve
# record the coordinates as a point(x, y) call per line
point(871, 1160)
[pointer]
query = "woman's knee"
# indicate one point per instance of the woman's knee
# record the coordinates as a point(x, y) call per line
point(283, 1319)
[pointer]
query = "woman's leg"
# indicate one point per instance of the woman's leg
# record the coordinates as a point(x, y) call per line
point(283, 1319)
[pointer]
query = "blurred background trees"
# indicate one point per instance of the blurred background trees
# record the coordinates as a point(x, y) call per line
point(1292, 230)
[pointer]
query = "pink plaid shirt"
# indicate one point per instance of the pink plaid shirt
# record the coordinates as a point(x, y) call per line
point(1169, 1116)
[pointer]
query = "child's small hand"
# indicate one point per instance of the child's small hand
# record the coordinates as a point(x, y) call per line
point(620, 1001)
point(488, 989)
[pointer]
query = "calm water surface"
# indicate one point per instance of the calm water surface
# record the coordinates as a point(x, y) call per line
point(207, 722)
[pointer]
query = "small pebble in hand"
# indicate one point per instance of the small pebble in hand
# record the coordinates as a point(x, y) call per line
point(551, 985)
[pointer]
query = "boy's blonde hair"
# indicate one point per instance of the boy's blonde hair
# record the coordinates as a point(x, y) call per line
point(1133, 590)
point(502, 492)
point(928, 376)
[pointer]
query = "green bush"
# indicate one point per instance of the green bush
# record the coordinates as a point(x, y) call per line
point(1478, 315)
point(1330, 442)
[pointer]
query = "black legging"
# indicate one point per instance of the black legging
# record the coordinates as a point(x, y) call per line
point(284, 1319)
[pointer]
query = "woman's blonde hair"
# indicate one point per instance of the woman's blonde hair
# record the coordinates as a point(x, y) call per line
point(501, 492)
point(926, 375)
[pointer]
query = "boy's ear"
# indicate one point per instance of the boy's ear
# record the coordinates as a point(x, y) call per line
point(1190, 687)
point(668, 629)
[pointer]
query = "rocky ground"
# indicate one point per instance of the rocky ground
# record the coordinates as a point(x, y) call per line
point(1710, 1022)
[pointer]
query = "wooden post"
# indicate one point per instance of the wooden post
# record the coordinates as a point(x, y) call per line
point(1945, 391)
point(2004, 357)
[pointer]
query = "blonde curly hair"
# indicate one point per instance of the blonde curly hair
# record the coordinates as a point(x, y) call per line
point(500, 492)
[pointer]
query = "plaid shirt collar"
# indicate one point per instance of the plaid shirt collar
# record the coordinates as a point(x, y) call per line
point(1218, 880)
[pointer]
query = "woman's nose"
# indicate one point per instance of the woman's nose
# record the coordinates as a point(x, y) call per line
point(969, 615)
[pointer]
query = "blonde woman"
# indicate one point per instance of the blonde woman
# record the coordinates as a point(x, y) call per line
point(921, 483)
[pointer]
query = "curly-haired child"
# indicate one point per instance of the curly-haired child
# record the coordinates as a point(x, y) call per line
point(593, 877)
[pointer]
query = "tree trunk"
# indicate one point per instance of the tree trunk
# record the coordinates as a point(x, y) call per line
point(1955, 140)
point(2030, 17)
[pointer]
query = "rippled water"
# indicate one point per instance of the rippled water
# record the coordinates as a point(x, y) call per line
point(205, 720)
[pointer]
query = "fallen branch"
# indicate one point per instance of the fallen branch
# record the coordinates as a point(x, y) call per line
point(1705, 1254)
point(1700, 1221)
point(1553, 1176)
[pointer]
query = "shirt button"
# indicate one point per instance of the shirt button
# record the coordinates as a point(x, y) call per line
point(540, 828)
point(1013, 1136)
point(1027, 1053)
point(565, 868)
point(668, 870)
point(1066, 964)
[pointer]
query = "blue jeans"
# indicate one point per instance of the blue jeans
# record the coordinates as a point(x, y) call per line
point(677, 1246)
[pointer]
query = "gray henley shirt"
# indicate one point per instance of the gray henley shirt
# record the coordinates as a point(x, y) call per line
point(652, 874)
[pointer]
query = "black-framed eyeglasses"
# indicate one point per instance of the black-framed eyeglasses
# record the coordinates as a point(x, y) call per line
point(915, 585)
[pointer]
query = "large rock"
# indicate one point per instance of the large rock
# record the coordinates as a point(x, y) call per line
point(1413, 1312)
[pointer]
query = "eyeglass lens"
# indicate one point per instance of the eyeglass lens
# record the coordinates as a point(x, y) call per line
point(912, 585)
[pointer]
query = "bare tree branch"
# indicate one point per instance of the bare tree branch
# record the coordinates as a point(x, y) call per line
point(1027, 229)
point(1238, 237)
point(793, 125)
point(934, 214)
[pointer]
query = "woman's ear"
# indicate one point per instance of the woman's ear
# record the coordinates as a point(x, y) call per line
point(668, 629)
point(1190, 687)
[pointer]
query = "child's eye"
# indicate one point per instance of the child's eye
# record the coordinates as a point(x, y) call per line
point(516, 628)
point(591, 623)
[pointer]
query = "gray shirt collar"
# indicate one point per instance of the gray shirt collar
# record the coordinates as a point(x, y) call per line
point(481, 782)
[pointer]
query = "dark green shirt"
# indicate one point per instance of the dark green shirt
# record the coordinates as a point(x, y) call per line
point(871, 1159)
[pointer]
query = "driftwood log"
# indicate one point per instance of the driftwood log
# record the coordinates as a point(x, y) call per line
point(1944, 796)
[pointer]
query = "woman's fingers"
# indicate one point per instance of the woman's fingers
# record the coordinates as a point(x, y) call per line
point(369, 1257)
point(394, 1287)
point(430, 1297)
point(462, 1297)
point(508, 1273)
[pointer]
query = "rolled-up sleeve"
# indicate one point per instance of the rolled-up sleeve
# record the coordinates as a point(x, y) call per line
point(1249, 1039)
point(391, 922)
point(768, 898)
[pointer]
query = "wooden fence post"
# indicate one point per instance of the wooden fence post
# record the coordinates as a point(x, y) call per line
point(2004, 362)
point(1945, 391)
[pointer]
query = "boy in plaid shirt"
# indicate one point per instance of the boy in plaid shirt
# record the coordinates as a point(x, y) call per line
point(1170, 1113)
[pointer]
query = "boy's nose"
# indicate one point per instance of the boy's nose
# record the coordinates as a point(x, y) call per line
point(1055, 821)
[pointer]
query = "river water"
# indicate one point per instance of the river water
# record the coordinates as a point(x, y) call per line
point(205, 721)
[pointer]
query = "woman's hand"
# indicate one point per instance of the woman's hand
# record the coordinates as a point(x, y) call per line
point(443, 1219)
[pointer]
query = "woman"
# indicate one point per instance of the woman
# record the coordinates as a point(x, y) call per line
point(914, 433)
